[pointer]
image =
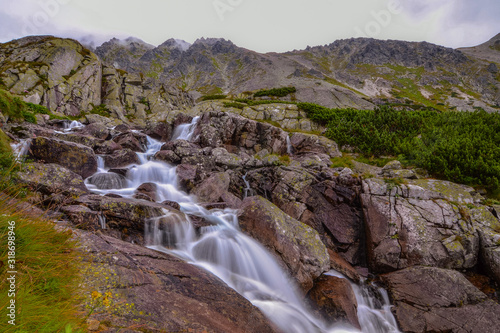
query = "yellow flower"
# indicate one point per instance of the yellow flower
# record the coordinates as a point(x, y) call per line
point(108, 294)
point(96, 294)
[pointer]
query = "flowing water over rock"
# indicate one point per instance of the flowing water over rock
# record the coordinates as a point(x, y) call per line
point(220, 247)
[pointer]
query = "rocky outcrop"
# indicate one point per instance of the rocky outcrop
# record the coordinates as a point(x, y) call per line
point(297, 246)
point(76, 157)
point(156, 292)
point(58, 73)
point(419, 223)
point(429, 299)
point(52, 179)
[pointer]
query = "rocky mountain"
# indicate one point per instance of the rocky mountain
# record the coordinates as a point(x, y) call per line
point(347, 73)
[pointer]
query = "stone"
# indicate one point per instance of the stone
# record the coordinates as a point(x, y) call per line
point(82, 217)
point(121, 158)
point(297, 245)
point(97, 130)
point(107, 181)
point(430, 299)
point(308, 143)
point(76, 157)
point(149, 190)
point(225, 159)
point(342, 266)
point(335, 300)
point(52, 179)
point(186, 174)
point(134, 141)
point(212, 188)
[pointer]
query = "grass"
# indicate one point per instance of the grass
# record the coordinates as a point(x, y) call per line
point(47, 276)
point(342, 162)
point(276, 92)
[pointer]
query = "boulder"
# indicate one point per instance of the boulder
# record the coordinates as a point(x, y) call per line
point(82, 217)
point(132, 140)
point(97, 130)
point(163, 293)
point(121, 158)
point(430, 299)
point(408, 224)
point(334, 300)
point(225, 159)
point(212, 188)
point(107, 180)
point(149, 190)
point(310, 144)
point(52, 179)
point(186, 174)
point(76, 157)
point(297, 246)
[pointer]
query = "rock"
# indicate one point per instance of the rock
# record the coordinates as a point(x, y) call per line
point(164, 293)
point(160, 131)
point(79, 138)
point(167, 156)
point(107, 147)
point(82, 217)
point(429, 299)
point(297, 245)
point(225, 159)
point(410, 225)
point(335, 300)
point(107, 181)
point(342, 266)
point(149, 190)
point(97, 130)
point(172, 204)
point(308, 143)
point(134, 141)
point(392, 165)
point(488, 227)
point(77, 158)
point(216, 129)
point(186, 174)
point(121, 158)
point(212, 188)
point(52, 179)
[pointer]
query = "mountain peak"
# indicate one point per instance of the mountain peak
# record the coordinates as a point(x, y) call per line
point(176, 43)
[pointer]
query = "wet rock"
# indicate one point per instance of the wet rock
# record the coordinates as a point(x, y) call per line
point(107, 147)
point(342, 266)
point(212, 188)
point(79, 138)
point(186, 174)
point(82, 217)
point(298, 246)
point(167, 156)
point(167, 294)
point(134, 141)
point(149, 190)
point(52, 179)
point(121, 158)
point(160, 131)
point(107, 181)
point(76, 157)
point(429, 299)
point(335, 300)
point(172, 204)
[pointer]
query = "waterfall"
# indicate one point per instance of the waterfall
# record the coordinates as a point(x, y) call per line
point(74, 124)
point(248, 190)
point(289, 147)
point(102, 221)
point(221, 248)
point(185, 131)
point(374, 316)
point(21, 149)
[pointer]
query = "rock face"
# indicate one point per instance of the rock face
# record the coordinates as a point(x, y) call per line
point(297, 245)
point(58, 73)
point(431, 299)
point(418, 224)
point(76, 157)
point(164, 294)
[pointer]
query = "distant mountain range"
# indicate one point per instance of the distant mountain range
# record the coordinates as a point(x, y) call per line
point(347, 73)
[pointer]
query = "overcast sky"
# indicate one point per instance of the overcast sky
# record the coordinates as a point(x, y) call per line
point(260, 25)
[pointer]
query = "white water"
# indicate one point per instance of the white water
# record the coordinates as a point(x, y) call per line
point(21, 148)
point(220, 248)
point(185, 131)
point(373, 315)
point(248, 189)
point(71, 126)
point(289, 147)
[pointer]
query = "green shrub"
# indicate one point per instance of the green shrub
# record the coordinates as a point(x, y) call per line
point(462, 147)
point(213, 97)
point(101, 110)
point(234, 105)
point(277, 92)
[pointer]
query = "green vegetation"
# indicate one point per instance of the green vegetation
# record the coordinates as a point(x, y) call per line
point(47, 276)
point(17, 109)
point(101, 110)
point(462, 147)
point(213, 97)
point(251, 102)
point(277, 92)
point(234, 105)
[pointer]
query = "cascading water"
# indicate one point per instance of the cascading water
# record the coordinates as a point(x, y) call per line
point(71, 126)
point(220, 248)
point(289, 147)
point(248, 190)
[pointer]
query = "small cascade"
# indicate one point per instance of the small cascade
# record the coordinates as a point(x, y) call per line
point(101, 164)
point(21, 148)
point(374, 307)
point(102, 221)
point(185, 131)
point(289, 147)
point(73, 125)
point(248, 190)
